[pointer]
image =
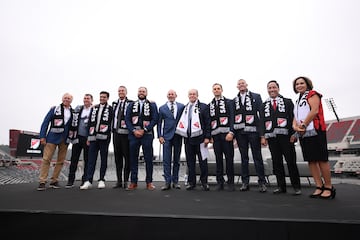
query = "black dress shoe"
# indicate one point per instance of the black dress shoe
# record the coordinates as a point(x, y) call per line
point(244, 187)
point(220, 187)
point(205, 187)
point(176, 186)
point(231, 187)
point(262, 188)
point(118, 185)
point(166, 187)
point(279, 191)
point(190, 187)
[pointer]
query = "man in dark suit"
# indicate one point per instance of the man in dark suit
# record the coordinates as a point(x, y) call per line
point(194, 126)
point(247, 107)
point(78, 134)
point(222, 133)
point(169, 115)
point(100, 124)
point(121, 139)
point(277, 114)
point(141, 118)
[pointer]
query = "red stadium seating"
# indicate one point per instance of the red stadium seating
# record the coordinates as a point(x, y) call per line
point(337, 131)
point(355, 131)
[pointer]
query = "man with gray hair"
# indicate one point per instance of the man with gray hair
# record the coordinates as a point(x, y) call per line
point(58, 118)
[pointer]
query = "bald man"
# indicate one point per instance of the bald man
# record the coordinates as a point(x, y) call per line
point(59, 118)
point(169, 115)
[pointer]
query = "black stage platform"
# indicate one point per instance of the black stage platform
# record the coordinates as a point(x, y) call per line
point(176, 214)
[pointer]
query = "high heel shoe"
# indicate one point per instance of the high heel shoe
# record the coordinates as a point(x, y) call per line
point(332, 195)
point(317, 195)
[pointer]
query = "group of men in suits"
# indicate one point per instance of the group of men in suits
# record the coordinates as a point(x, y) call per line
point(219, 122)
point(245, 118)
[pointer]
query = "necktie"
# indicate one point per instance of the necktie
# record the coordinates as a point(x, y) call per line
point(120, 111)
point(172, 107)
point(189, 120)
point(274, 104)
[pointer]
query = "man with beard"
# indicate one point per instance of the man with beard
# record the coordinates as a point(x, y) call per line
point(141, 118)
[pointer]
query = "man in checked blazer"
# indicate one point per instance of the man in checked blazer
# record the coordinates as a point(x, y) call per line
point(169, 114)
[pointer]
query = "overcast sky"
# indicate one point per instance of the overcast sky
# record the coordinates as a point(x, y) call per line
point(48, 48)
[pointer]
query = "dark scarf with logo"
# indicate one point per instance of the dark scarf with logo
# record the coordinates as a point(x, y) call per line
point(141, 119)
point(245, 115)
point(219, 117)
point(105, 123)
point(58, 121)
point(121, 127)
point(276, 121)
point(74, 127)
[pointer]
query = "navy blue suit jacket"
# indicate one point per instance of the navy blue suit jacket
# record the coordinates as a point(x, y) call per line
point(153, 121)
point(51, 137)
point(257, 104)
point(167, 123)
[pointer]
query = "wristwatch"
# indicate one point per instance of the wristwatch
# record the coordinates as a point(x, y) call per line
point(303, 125)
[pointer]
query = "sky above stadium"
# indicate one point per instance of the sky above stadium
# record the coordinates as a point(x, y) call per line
point(48, 48)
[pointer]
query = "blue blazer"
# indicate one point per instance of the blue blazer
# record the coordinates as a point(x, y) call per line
point(167, 123)
point(153, 121)
point(51, 137)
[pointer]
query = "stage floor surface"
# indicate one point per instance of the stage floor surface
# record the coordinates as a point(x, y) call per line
point(345, 208)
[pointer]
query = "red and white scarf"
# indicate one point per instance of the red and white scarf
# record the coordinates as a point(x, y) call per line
point(182, 126)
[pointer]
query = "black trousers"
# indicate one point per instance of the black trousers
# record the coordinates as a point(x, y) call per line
point(122, 159)
point(224, 148)
point(192, 152)
point(75, 155)
point(280, 146)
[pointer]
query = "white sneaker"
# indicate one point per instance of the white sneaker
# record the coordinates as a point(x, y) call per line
point(86, 185)
point(101, 184)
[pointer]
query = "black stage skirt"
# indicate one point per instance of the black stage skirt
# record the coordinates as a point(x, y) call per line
point(314, 148)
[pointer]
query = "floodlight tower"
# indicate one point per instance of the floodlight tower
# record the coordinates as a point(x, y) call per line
point(332, 106)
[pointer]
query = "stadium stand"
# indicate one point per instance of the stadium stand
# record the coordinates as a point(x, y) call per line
point(343, 145)
point(337, 131)
point(6, 159)
point(355, 131)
